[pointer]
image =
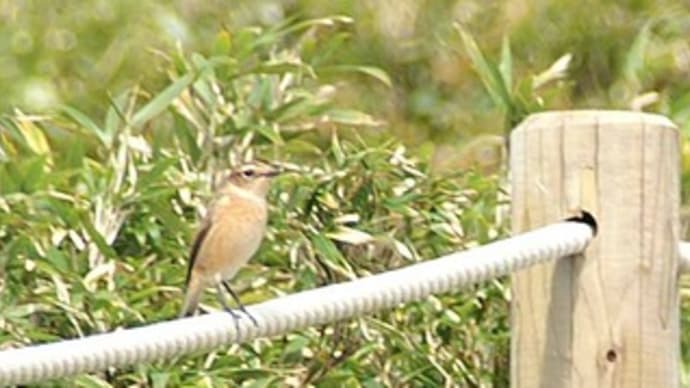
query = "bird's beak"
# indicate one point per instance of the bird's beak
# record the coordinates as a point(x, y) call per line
point(273, 173)
point(287, 168)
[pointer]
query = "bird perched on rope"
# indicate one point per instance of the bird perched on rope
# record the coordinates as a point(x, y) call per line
point(229, 235)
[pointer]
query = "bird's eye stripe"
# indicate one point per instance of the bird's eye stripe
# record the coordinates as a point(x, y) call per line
point(252, 172)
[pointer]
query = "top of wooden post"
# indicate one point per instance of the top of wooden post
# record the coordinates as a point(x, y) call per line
point(573, 117)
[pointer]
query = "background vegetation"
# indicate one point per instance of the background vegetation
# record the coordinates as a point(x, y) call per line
point(118, 115)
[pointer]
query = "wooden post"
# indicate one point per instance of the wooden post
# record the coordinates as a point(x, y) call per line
point(608, 318)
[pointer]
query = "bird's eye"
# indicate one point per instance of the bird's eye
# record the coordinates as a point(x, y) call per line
point(248, 173)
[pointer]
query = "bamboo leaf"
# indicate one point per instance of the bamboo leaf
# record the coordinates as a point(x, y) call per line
point(154, 176)
point(85, 122)
point(635, 57)
point(161, 102)
point(350, 236)
point(488, 73)
point(371, 71)
point(505, 67)
point(350, 117)
point(33, 135)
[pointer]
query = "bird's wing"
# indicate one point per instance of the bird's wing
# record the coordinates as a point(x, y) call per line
point(196, 246)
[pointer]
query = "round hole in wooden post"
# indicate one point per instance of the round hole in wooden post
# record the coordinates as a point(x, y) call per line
point(610, 317)
point(611, 355)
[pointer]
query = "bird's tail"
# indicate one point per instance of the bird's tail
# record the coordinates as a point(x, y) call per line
point(192, 296)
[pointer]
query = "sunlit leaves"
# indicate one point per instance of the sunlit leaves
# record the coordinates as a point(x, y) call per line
point(161, 101)
point(97, 213)
point(515, 99)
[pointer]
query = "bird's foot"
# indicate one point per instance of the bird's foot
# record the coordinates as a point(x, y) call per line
point(237, 316)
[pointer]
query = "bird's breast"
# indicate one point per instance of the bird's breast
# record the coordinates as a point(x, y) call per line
point(238, 230)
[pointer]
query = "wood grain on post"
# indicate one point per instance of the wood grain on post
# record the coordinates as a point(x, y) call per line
point(608, 318)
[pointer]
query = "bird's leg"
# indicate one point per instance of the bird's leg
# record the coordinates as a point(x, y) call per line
point(239, 304)
point(221, 298)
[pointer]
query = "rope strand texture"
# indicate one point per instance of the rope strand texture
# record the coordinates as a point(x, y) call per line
point(168, 339)
point(684, 252)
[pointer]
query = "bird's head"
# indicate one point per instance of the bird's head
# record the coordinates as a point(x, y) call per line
point(253, 177)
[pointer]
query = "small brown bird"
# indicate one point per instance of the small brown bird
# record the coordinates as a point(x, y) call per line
point(229, 235)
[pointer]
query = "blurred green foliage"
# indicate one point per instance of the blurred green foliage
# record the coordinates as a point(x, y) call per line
point(120, 114)
point(96, 213)
point(622, 55)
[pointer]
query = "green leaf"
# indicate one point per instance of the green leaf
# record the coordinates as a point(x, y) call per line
point(328, 21)
point(337, 149)
point(245, 40)
point(401, 202)
point(74, 159)
point(295, 346)
point(33, 173)
point(154, 176)
point(635, 57)
point(28, 174)
point(371, 71)
point(12, 137)
point(222, 44)
point(85, 122)
point(65, 210)
point(288, 27)
point(300, 107)
point(282, 67)
point(22, 310)
point(202, 88)
point(161, 102)
point(153, 193)
point(185, 134)
point(488, 73)
point(97, 238)
point(163, 210)
point(90, 381)
point(298, 146)
point(325, 247)
point(261, 95)
point(10, 183)
point(505, 67)
point(271, 133)
point(340, 378)
point(114, 116)
point(350, 117)
point(58, 260)
point(33, 135)
point(160, 379)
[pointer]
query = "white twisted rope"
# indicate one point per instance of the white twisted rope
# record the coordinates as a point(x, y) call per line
point(684, 252)
point(327, 304)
